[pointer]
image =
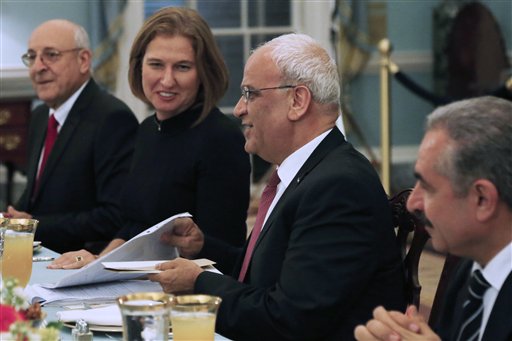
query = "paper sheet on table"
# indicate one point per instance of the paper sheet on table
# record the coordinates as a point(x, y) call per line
point(96, 293)
point(89, 294)
point(143, 267)
point(105, 316)
point(145, 246)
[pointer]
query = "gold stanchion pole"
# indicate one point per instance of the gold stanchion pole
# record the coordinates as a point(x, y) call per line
point(385, 114)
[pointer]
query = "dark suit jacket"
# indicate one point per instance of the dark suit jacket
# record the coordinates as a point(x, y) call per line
point(326, 257)
point(77, 202)
point(499, 325)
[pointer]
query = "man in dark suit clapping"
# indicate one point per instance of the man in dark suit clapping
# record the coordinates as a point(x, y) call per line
point(464, 193)
point(80, 144)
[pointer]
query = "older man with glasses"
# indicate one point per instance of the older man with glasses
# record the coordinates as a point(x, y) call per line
point(79, 144)
point(322, 253)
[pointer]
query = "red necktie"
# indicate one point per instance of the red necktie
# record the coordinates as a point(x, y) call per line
point(51, 136)
point(266, 199)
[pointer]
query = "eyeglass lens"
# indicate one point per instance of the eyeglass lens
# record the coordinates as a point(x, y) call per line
point(48, 56)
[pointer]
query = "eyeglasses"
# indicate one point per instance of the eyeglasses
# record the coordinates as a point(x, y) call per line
point(248, 93)
point(48, 56)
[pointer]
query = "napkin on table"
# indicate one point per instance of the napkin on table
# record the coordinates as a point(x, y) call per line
point(103, 316)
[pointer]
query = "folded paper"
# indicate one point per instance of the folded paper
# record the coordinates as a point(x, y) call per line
point(105, 316)
point(147, 266)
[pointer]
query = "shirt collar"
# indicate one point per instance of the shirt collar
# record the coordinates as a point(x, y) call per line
point(292, 164)
point(498, 269)
point(62, 112)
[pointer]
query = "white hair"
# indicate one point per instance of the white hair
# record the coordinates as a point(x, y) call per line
point(81, 38)
point(302, 60)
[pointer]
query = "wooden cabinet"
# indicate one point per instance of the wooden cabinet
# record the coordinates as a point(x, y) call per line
point(14, 120)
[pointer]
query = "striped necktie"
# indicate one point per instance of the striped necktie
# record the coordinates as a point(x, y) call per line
point(472, 309)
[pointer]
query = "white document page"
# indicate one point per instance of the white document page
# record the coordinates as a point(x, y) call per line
point(147, 266)
point(143, 247)
point(90, 294)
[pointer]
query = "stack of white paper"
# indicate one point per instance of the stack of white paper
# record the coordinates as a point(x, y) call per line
point(89, 294)
point(146, 246)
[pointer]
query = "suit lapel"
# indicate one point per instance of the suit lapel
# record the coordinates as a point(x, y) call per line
point(498, 326)
point(333, 140)
point(39, 133)
point(68, 130)
point(457, 318)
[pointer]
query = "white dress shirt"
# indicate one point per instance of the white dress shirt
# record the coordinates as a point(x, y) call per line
point(495, 272)
point(291, 166)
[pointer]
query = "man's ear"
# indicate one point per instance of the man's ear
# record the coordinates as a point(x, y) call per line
point(486, 198)
point(301, 101)
point(85, 57)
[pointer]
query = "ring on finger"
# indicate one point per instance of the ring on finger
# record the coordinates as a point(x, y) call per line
point(79, 258)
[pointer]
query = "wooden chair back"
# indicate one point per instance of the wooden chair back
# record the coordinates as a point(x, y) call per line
point(411, 237)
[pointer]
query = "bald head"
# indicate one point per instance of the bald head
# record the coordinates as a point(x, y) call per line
point(62, 29)
point(61, 60)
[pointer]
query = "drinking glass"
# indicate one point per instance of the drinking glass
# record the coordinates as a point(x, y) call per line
point(145, 316)
point(193, 317)
point(17, 248)
point(3, 223)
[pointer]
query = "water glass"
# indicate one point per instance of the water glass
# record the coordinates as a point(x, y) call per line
point(145, 316)
point(193, 317)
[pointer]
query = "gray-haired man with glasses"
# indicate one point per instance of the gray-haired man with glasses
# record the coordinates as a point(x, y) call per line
point(324, 253)
point(79, 144)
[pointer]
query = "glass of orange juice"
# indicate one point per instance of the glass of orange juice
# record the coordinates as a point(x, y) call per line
point(3, 224)
point(16, 248)
point(193, 317)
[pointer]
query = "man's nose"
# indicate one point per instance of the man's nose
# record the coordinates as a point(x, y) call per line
point(415, 201)
point(240, 108)
point(39, 63)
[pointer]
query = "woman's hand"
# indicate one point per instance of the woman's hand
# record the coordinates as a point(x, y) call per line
point(15, 214)
point(72, 260)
